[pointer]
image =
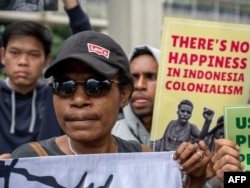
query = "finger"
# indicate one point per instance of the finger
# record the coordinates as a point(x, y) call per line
point(194, 166)
point(225, 142)
point(226, 151)
point(5, 156)
point(187, 152)
point(198, 163)
point(226, 160)
point(200, 153)
point(226, 168)
point(202, 145)
point(209, 169)
point(193, 162)
point(180, 150)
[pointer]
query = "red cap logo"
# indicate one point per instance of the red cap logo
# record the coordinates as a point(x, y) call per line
point(98, 50)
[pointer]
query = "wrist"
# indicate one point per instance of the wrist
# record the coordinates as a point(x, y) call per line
point(193, 182)
point(69, 4)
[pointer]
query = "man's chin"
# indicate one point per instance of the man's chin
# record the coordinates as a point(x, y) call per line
point(184, 121)
point(142, 112)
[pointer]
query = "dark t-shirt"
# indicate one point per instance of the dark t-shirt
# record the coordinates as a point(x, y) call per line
point(52, 148)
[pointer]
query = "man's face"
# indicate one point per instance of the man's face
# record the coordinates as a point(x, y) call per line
point(24, 60)
point(184, 113)
point(83, 117)
point(144, 70)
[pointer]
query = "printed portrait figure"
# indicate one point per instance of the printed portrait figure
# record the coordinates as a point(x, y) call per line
point(181, 130)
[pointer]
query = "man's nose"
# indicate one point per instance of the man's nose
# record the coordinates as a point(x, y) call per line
point(80, 98)
point(23, 59)
point(141, 83)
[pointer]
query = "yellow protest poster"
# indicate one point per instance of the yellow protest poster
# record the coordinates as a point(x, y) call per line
point(237, 128)
point(204, 66)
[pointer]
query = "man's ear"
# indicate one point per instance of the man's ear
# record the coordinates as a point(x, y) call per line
point(47, 61)
point(126, 93)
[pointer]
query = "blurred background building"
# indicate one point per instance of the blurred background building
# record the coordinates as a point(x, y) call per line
point(133, 22)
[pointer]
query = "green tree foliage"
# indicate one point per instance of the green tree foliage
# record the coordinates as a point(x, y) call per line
point(60, 33)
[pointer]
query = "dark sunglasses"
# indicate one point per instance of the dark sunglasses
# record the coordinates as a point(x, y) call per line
point(91, 86)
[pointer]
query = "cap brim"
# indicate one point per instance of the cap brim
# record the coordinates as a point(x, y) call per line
point(96, 64)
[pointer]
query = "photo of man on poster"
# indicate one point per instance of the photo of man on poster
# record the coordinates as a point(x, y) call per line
point(181, 129)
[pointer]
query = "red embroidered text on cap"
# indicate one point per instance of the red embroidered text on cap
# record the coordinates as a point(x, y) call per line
point(98, 50)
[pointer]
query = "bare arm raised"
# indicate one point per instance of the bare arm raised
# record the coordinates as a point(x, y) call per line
point(69, 4)
point(78, 19)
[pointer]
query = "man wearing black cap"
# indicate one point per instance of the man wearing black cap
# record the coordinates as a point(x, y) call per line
point(91, 81)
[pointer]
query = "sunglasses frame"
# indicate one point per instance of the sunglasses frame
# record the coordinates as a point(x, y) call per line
point(57, 86)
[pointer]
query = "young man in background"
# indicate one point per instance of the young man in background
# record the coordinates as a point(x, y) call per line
point(26, 112)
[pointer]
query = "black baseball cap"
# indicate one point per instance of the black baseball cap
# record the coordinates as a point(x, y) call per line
point(97, 50)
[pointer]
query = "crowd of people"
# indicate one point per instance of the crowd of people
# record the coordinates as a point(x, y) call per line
point(92, 82)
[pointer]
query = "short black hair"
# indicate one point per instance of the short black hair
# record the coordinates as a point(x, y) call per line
point(141, 51)
point(29, 28)
point(185, 102)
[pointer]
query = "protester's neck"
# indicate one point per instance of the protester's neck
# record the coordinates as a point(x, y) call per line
point(107, 146)
point(22, 89)
point(147, 122)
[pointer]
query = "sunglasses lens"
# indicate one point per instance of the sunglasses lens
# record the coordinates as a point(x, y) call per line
point(92, 87)
point(63, 88)
point(54, 87)
point(97, 87)
point(67, 87)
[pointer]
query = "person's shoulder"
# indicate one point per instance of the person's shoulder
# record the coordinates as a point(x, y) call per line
point(43, 87)
point(48, 143)
point(2, 82)
point(171, 123)
point(42, 84)
point(24, 150)
point(4, 87)
point(119, 123)
point(122, 129)
point(48, 146)
point(120, 126)
point(127, 146)
point(51, 147)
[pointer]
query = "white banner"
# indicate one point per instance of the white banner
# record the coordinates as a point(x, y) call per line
point(123, 170)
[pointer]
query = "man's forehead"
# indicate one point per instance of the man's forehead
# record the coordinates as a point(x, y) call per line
point(143, 72)
point(74, 67)
point(185, 106)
